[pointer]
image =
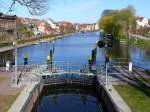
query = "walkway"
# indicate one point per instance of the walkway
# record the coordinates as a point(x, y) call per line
point(140, 37)
point(7, 93)
point(5, 85)
point(7, 48)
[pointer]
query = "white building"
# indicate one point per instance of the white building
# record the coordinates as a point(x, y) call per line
point(96, 27)
point(53, 25)
point(36, 32)
point(142, 22)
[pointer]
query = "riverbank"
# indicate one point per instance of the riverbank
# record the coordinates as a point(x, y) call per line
point(23, 43)
point(135, 97)
point(141, 43)
point(139, 37)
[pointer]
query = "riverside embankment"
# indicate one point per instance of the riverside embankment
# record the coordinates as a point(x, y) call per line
point(7, 48)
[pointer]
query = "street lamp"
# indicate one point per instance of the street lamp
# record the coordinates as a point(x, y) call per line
point(15, 50)
point(128, 37)
point(106, 43)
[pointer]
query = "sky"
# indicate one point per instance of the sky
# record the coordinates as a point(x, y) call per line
point(80, 11)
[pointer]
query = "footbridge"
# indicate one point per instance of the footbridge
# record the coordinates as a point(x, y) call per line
point(64, 72)
point(57, 73)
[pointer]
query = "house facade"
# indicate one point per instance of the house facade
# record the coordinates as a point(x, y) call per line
point(66, 27)
point(142, 22)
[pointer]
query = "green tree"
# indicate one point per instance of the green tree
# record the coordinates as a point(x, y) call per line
point(118, 22)
point(23, 29)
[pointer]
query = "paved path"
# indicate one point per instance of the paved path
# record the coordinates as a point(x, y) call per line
point(140, 37)
point(23, 99)
point(7, 48)
point(3, 49)
point(5, 85)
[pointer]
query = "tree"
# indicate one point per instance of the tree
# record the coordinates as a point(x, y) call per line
point(118, 22)
point(107, 12)
point(35, 7)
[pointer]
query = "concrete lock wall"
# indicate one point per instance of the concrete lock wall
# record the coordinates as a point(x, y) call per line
point(34, 95)
point(31, 96)
point(106, 99)
point(102, 93)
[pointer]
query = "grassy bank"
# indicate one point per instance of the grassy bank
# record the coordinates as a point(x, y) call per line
point(1, 78)
point(135, 98)
point(26, 40)
point(147, 72)
point(140, 43)
point(6, 101)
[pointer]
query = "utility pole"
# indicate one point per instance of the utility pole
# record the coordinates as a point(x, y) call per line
point(106, 66)
point(106, 43)
point(15, 48)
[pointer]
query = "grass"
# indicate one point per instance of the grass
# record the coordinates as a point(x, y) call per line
point(146, 79)
point(140, 43)
point(6, 101)
point(23, 41)
point(135, 98)
point(147, 72)
point(1, 78)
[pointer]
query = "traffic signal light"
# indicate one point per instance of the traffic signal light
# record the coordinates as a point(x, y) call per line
point(107, 41)
point(101, 44)
point(109, 38)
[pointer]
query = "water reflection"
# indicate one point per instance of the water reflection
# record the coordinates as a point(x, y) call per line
point(118, 50)
point(69, 103)
point(75, 49)
point(68, 98)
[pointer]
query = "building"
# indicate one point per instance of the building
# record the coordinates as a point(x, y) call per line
point(142, 22)
point(44, 28)
point(83, 27)
point(88, 27)
point(7, 26)
point(77, 27)
point(54, 26)
point(66, 27)
point(7, 22)
point(96, 27)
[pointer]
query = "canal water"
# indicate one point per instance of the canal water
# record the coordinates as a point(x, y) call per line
point(68, 98)
point(75, 49)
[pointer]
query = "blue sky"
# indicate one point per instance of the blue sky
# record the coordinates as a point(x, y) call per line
point(82, 11)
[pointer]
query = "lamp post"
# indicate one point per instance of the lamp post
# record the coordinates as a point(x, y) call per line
point(128, 37)
point(15, 50)
point(136, 34)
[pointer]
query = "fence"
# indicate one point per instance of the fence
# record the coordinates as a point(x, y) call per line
point(114, 69)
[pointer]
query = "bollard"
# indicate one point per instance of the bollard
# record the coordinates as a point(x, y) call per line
point(8, 65)
point(25, 58)
point(130, 66)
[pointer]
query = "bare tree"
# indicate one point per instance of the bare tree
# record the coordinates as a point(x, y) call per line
point(35, 7)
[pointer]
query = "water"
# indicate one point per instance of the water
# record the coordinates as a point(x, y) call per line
point(69, 103)
point(68, 98)
point(76, 49)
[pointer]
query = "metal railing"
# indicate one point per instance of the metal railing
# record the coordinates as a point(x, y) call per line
point(114, 68)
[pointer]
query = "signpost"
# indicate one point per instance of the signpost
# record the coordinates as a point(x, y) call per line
point(106, 43)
